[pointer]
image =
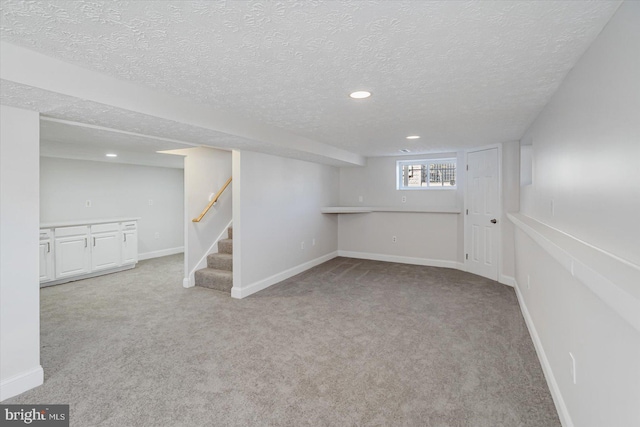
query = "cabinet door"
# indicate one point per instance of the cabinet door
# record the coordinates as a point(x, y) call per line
point(129, 247)
point(73, 256)
point(46, 261)
point(105, 250)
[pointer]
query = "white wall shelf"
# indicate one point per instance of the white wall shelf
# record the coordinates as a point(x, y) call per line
point(369, 209)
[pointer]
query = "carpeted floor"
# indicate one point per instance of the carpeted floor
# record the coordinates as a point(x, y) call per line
point(348, 343)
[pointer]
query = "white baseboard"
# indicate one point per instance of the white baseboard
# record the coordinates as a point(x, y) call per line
point(20, 383)
point(507, 280)
point(403, 259)
point(504, 279)
point(160, 253)
point(561, 407)
point(245, 291)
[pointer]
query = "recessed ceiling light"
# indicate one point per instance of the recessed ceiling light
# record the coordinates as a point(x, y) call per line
point(361, 94)
point(413, 137)
point(112, 155)
point(405, 150)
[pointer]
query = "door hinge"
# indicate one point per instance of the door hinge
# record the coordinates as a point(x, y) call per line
point(466, 256)
point(467, 167)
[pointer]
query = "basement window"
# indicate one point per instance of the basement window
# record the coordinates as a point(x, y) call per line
point(427, 174)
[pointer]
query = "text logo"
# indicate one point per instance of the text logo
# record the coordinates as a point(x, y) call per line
point(34, 415)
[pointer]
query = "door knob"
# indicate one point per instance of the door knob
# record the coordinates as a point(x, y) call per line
point(493, 221)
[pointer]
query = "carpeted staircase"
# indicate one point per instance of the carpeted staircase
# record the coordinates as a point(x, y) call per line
point(218, 275)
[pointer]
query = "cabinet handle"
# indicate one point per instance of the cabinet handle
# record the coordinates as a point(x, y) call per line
point(94, 241)
point(125, 236)
point(48, 247)
point(85, 242)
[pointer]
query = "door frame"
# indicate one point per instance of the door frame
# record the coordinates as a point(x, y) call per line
point(500, 211)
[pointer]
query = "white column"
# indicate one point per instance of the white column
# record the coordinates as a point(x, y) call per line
point(20, 368)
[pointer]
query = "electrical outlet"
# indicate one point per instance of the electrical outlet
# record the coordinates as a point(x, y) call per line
point(157, 235)
point(87, 204)
point(150, 202)
point(394, 239)
point(360, 199)
point(528, 281)
point(313, 242)
point(302, 246)
point(404, 199)
point(573, 368)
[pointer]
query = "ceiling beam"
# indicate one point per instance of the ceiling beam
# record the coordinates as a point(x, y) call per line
point(29, 68)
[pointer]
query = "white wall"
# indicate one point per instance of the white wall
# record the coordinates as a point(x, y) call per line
point(20, 367)
point(277, 204)
point(510, 203)
point(117, 190)
point(586, 145)
point(376, 182)
point(586, 157)
point(423, 238)
point(428, 238)
point(205, 172)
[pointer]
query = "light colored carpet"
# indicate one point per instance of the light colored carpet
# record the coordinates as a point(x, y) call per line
point(348, 343)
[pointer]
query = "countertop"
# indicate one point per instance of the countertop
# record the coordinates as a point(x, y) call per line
point(86, 222)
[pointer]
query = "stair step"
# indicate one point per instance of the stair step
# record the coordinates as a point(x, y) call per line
point(225, 246)
point(219, 280)
point(230, 232)
point(220, 261)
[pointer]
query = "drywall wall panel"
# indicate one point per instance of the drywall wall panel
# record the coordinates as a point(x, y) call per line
point(281, 227)
point(19, 222)
point(586, 183)
point(206, 170)
point(420, 237)
point(376, 184)
point(510, 203)
point(586, 179)
point(155, 194)
point(430, 238)
point(570, 319)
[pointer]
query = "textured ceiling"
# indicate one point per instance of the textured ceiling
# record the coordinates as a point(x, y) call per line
point(458, 73)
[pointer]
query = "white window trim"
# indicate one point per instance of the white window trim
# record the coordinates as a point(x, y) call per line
point(401, 163)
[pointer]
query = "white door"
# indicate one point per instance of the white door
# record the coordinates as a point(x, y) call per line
point(129, 247)
point(73, 256)
point(105, 250)
point(483, 213)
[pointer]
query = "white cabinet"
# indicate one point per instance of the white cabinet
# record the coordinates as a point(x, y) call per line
point(129, 242)
point(80, 251)
point(46, 256)
point(72, 252)
point(105, 246)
